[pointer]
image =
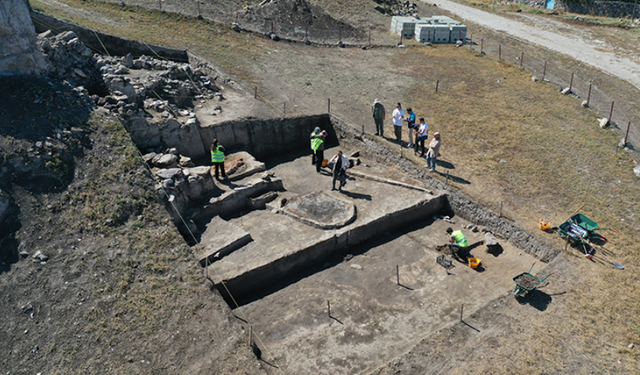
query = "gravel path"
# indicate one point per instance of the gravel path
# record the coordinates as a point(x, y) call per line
point(571, 42)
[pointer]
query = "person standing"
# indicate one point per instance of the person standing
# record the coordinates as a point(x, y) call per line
point(411, 124)
point(422, 130)
point(317, 146)
point(457, 244)
point(340, 165)
point(379, 115)
point(434, 151)
point(398, 116)
point(217, 158)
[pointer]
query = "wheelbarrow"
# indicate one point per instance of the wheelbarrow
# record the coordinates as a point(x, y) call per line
point(580, 231)
point(526, 282)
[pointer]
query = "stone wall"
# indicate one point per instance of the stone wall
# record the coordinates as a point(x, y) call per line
point(104, 43)
point(19, 53)
point(614, 9)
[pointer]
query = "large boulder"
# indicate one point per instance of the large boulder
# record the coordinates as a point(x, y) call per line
point(20, 54)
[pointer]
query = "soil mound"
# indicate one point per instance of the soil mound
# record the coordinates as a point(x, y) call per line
point(296, 13)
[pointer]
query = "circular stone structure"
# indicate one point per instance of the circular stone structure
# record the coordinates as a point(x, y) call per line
point(321, 210)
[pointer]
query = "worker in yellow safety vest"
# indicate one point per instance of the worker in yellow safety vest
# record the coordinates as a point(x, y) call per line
point(317, 146)
point(457, 244)
point(217, 158)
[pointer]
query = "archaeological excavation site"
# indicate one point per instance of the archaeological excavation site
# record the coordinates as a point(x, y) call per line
point(125, 249)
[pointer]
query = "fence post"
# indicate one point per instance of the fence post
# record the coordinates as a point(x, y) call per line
point(236, 17)
point(627, 135)
point(521, 59)
point(571, 83)
point(544, 72)
point(481, 45)
point(471, 42)
point(255, 92)
point(611, 113)
point(271, 27)
point(369, 36)
point(328, 105)
point(499, 51)
point(340, 36)
point(437, 83)
point(589, 96)
point(306, 33)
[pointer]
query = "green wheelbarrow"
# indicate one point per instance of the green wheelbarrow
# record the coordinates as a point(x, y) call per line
point(526, 282)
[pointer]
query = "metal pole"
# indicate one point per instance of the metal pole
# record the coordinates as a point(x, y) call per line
point(544, 72)
point(611, 113)
point(255, 92)
point(571, 84)
point(437, 83)
point(340, 36)
point(237, 17)
point(398, 275)
point(306, 32)
point(160, 5)
point(627, 135)
point(284, 108)
point(589, 96)
point(447, 182)
point(481, 45)
point(329, 308)
point(369, 36)
point(400, 37)
point(199, 11)
point(500, 209)
point(461, 311)
point(471, 41)
point(521, 59)
point(328, 105)
point(499, 52)
point(271, 27)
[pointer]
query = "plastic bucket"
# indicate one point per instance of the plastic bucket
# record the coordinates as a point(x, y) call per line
point(544, 225)
point(474, 263)
point(325, 162)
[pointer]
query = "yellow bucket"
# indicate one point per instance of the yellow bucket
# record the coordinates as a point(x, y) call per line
point(474, 263)
point(544, 225)
point(325, 162)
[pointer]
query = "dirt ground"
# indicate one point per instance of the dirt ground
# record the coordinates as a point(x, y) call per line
point(543, 333)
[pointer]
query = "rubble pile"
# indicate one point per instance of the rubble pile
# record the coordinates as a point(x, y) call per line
point(70, 60)
point(112, 83)
point(397, 8)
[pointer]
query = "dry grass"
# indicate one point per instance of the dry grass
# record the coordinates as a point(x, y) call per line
point(525, 144)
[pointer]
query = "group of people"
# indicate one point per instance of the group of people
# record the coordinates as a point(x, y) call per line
point(339, 163)
point(417, 133)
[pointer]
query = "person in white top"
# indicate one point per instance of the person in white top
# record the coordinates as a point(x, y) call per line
point(398, 116)
point(422, 135)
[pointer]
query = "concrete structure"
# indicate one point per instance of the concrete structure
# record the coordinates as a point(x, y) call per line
point(439, 29)
point(406, 26)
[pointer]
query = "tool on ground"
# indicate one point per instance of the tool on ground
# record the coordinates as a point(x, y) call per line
point(445, 262)
point(526, 282)
point(544, 224)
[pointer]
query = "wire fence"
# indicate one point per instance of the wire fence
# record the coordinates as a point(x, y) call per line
point(585, 91)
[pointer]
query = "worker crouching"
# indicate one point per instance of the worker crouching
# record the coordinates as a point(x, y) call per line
point(458, 245)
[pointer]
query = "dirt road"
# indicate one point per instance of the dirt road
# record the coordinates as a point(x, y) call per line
point(555, 36)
